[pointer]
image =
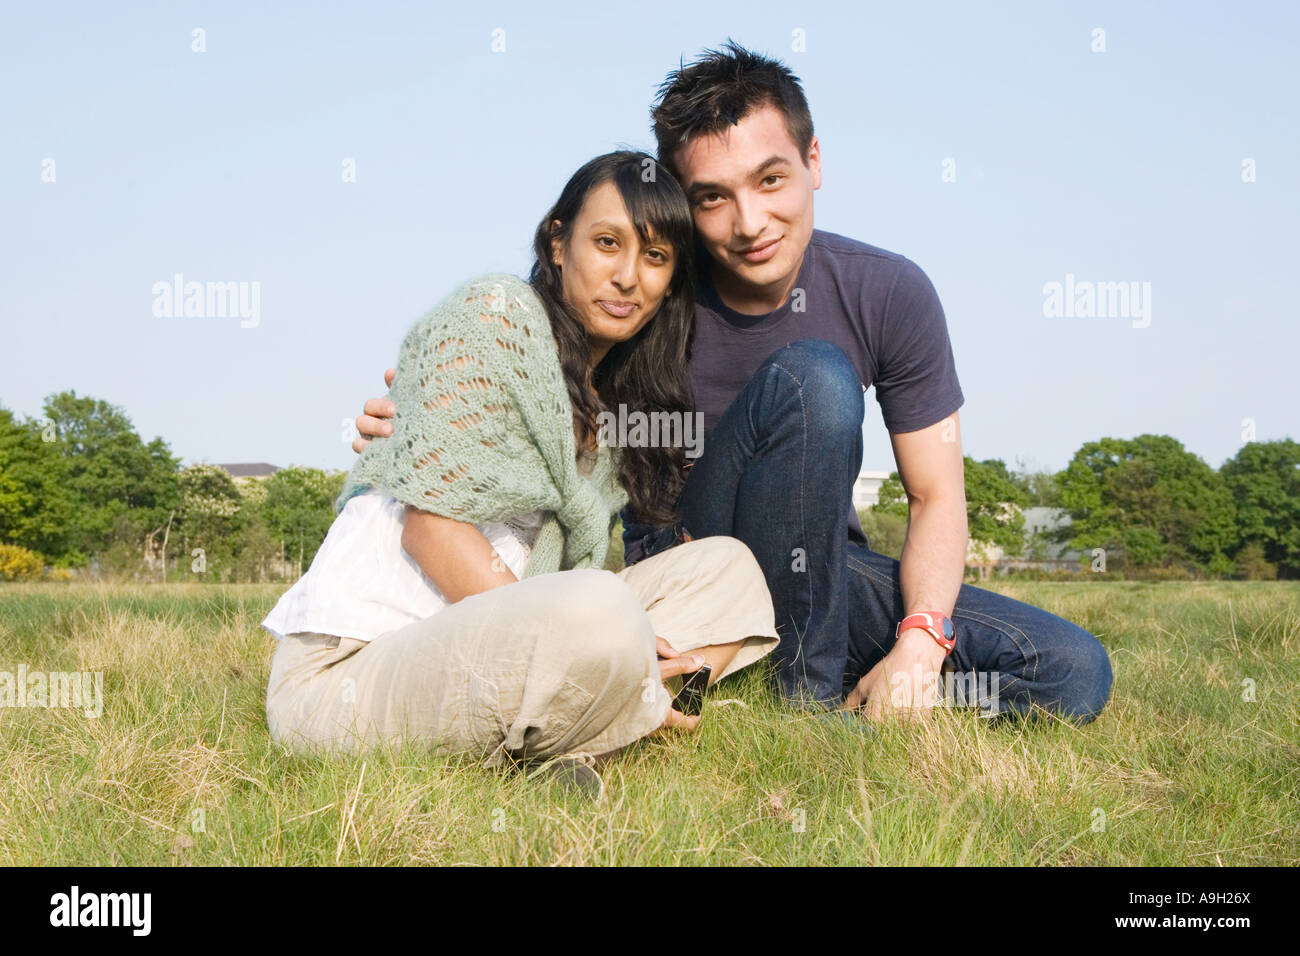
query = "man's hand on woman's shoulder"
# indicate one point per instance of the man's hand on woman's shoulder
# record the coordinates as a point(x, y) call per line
point(375, 420)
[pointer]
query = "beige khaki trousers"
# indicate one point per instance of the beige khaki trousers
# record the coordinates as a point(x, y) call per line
point(554, 664)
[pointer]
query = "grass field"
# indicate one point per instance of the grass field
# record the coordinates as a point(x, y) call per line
point(1195, 761)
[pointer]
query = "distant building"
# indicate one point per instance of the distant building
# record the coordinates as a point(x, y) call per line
point(866, 490)
point(1039, 522)
point(258, 469)
point(1040, 551)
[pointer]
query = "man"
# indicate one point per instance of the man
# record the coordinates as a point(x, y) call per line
point(792, 326)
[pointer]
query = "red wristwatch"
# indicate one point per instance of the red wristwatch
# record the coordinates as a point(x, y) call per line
point(939, 627)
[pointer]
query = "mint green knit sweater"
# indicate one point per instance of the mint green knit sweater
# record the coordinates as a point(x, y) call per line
point(484, 427)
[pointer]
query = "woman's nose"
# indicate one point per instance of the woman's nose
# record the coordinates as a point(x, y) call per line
point(625, 272)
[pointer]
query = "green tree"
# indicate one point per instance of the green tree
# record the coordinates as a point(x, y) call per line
point(1264, 479)
point(300, 508)
point(35, 505)
point(121, 488)
point(1149, 502)
point(1252, 565)
point(885, 532)
point(259, 549)
point(1040, 487)
point(994, 503)
point(209, 519)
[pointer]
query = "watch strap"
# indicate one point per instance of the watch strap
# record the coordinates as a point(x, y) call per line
point(932, 622)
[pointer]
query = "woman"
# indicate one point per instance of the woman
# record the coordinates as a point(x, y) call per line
point(404, 628)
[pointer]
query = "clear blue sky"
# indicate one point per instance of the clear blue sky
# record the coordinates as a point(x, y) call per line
point(1117, 166)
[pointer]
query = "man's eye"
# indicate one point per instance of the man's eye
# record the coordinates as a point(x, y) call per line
point(709, 199)
point(772, 180)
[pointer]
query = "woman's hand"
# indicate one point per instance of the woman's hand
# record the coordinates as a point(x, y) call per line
point(671, 664)
point(376, 418)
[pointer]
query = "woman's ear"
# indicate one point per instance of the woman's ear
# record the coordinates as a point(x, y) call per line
point(557, 244)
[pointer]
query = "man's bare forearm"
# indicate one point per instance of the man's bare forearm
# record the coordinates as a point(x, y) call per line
point(934, 554)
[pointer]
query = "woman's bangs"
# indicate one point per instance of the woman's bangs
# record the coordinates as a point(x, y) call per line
point(657, 208)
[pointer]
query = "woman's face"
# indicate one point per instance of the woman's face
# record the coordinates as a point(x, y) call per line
point(610, 279)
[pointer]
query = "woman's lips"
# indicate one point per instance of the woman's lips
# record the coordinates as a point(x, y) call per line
point(620, 310)
point(761, 253)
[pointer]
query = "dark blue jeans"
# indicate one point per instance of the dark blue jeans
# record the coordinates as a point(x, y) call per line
point(777, 472)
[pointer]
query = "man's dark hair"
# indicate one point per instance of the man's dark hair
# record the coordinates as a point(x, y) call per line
point(718, 90)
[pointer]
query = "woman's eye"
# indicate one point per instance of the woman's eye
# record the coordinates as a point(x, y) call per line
point(658, 255)
point(606, 239)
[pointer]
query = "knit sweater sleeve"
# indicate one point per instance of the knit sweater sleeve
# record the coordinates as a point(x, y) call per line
point(474, 377)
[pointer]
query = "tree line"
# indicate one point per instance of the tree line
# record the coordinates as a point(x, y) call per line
point(80, 489)
point(1145, 505)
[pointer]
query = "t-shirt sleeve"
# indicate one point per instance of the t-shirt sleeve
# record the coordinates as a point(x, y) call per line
point(916, 375)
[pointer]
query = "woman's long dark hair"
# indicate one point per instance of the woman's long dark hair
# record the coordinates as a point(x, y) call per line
point(648, 372)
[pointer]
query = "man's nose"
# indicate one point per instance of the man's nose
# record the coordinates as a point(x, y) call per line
point(748, 223)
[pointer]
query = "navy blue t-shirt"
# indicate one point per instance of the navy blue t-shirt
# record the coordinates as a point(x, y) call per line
point(879, 307)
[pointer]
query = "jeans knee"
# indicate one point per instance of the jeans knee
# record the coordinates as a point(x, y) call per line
point(1089, 681)
point(830, 387)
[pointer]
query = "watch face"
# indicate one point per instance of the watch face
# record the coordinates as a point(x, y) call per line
point(947, 629)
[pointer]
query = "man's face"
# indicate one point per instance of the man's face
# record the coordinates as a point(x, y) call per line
point(752, 198)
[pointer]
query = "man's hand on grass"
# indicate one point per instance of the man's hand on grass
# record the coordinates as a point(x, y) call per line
point(905, 682)
point(375, 420)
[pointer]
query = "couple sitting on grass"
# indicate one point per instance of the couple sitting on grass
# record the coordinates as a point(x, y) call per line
point(460, 598)
point(437, 608)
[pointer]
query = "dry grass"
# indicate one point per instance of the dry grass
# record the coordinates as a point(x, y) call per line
point(1184, 767)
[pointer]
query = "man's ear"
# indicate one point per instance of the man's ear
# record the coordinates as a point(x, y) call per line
point(557, 245)
point(815, 162)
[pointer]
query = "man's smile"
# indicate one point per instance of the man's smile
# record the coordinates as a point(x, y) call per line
point(762, 251)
